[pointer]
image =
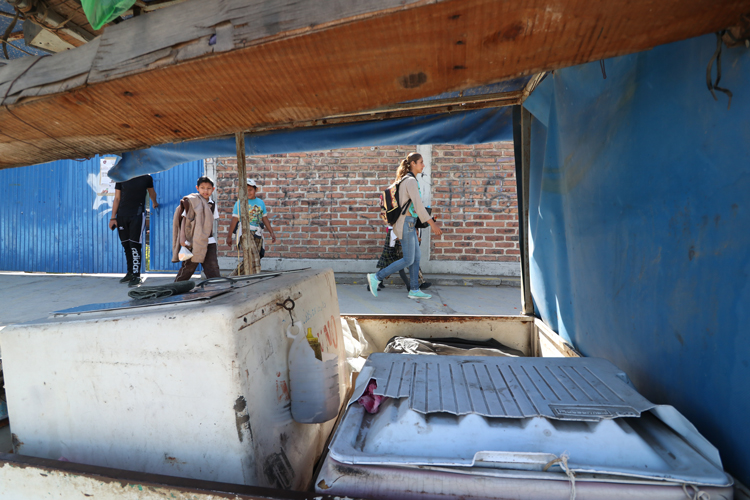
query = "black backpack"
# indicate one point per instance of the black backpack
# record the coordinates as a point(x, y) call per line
point(390, 210)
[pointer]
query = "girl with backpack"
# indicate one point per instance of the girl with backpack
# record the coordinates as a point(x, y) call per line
point(411, 209)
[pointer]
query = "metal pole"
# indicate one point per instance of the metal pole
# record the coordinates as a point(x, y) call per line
point(527, 303)
point(248, 245)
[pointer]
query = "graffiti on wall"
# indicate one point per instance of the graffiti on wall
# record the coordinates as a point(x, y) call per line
point(495, 198)
point(103, 187)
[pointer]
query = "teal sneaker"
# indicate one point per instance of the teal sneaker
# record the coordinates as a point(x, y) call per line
point(373, 281)
point(419, 294)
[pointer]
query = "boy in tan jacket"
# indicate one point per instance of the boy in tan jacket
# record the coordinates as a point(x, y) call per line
point(192, 227)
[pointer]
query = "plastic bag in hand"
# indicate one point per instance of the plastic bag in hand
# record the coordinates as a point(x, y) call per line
point(185, 254)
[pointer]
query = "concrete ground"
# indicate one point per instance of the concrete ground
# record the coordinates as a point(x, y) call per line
point(356, 299)
point(28, 296)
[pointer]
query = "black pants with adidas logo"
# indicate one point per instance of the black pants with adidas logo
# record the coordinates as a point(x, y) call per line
point(130, 230)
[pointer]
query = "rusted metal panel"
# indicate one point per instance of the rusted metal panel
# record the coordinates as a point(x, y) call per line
point(512, 331)
point(281, 73)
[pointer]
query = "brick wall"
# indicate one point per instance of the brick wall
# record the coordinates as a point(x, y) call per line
point(323, 205)
point(474, 193)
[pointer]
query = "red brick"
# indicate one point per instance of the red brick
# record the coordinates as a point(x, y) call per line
point(315, 197)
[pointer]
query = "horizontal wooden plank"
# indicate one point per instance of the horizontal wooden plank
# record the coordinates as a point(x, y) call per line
point(61, 67)
point(11, 72)
point(139, 36)
point(295, 72)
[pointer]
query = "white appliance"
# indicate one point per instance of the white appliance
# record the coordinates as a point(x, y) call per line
point(194, 385)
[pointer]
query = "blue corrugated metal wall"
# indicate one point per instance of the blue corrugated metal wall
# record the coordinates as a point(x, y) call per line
point(53, 219)
point(171, 185)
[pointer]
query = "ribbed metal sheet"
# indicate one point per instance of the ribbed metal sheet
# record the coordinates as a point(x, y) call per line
point(54, 218)
point(584, 389)
point(170, 186)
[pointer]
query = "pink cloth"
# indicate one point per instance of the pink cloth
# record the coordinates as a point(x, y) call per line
point(369, 400)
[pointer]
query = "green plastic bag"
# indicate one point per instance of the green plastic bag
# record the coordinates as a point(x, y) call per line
point(100, 12)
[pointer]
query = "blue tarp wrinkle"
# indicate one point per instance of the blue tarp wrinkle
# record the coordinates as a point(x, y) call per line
point(639, 217)
point(469, 127)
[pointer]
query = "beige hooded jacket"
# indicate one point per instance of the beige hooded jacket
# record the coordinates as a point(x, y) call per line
point(196, 227)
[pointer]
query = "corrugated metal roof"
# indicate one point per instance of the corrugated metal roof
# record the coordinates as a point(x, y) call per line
point(583, 389)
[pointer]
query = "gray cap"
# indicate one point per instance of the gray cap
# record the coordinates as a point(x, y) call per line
point(251, 182)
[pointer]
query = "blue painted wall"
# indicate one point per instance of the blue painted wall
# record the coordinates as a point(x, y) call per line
point(640, 228)
point(54, 220)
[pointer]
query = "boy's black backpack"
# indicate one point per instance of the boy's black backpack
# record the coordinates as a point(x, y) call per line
point(390, 210)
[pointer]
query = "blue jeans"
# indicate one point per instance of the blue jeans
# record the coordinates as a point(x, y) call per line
point(410, 247)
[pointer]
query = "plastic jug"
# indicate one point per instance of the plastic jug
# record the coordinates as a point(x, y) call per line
point(313, 383)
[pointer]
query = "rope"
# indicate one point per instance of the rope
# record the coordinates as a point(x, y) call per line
point(699, 495)
point(562, 460)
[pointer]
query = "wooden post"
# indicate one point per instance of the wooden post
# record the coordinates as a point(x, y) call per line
point(248, 245)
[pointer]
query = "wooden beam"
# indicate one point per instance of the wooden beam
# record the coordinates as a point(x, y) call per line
point(249, 250)
point(211, 67)
point(456, 103)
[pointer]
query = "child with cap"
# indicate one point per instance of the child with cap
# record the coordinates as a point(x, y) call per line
point(258, 220)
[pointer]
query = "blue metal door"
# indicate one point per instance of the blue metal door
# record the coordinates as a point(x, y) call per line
point(171, 185)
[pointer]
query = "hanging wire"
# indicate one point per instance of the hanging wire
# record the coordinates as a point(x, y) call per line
point(8, 31)
point(717, 57)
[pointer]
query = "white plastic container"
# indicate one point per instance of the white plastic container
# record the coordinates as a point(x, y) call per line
point(190, 389)
point(314, 383)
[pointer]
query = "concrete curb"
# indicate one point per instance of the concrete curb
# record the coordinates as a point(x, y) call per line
point(435, 279)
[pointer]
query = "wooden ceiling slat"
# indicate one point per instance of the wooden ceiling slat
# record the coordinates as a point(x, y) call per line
point(295, 73)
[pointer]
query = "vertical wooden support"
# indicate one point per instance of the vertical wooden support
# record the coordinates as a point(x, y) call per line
point(527, 304)
point(248, 245)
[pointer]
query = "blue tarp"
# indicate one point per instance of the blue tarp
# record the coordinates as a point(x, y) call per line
point(470, 127)
point(640, 227)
